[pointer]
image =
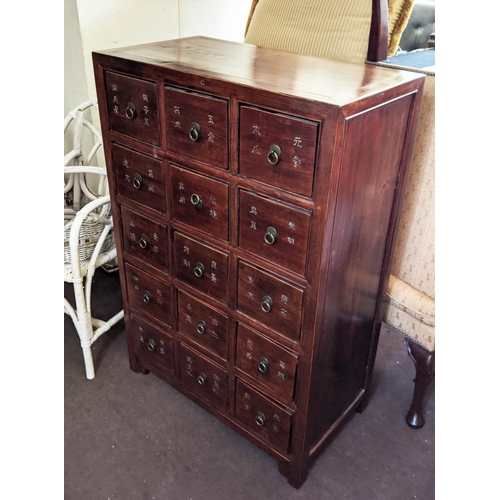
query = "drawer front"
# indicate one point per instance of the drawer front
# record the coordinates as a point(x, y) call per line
point(278, 150)
point(145, 239)
point(133, 107)
point(203, 324)
point(273, 302)
point(197, 126)
point(199, 201)
point(139, 177)
point(152, 343)
point(267, 362)
point(275, 232)
point(265, 418)
point(201, 266)
point(203, 377)
point(148, 295)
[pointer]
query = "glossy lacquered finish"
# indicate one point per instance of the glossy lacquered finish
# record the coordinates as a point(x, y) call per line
point(255, 216)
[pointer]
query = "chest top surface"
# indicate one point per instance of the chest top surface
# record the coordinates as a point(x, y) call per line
point(296, 75)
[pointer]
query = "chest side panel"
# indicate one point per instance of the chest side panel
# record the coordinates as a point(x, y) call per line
point(368, 179)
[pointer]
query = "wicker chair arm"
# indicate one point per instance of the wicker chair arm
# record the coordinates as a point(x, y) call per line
point(85, 169)
point(74, 238)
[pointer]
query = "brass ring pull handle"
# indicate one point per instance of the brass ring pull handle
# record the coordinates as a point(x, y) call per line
point(202, 378)
point(273, 157)
point(143, 242)
point(194, 132)
point(270, 236)
point(130, 112)
point(263, 364)
point(196, 201)
point(137, 182)
point(198, 270)
point(201, 328)
point(260, 419)
point(147, 296)
point(151, 345)
point(266, 304)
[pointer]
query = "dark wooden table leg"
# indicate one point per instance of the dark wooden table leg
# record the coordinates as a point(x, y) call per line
point(424, 367)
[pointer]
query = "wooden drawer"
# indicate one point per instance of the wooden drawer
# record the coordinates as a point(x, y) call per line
point(201, 266)
point(148, 295)
point(145, 239)
point(203, 377)
point(199, 201)
point(270, 300)
point(263, 417)
point(197, 126)
point(274, 231)
point(203, 324)
point(139, 177)
point(152, 343)
point(292, 168)
point(266, 361)
point(133, 107)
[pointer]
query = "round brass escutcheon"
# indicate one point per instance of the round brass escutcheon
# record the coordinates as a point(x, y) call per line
point(196, 201)
point(194, 132)
point(198, 270)
point(201, 328)
point(260, 419)
point(273, 157)
point(147, 296)
point(266, 304)
point(270, 236)
point(151, 345)
point(202, 378)
point(137, 182)
point(143, 242)
point(263, 364)
point(130, 111)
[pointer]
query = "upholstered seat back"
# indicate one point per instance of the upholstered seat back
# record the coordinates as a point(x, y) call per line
point(337, 30)
point(414, 251)
point(411, 289)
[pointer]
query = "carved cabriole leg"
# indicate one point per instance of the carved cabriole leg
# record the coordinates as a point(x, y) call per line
point(424, 367)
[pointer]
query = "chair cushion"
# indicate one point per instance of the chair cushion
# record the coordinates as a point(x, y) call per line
point(336, 30)
point(399, 13)
point(411, 312)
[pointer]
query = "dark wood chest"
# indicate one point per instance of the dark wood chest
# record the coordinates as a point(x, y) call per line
point(255, 198)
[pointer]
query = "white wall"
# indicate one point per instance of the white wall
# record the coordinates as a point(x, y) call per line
point(103, 24)
point(225, 19)
point(75, 83)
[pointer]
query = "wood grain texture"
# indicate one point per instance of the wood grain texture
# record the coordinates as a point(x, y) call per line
point(145, 239)
point(139, 177)
point(133, 107)
point(151, 342)
point(200, 201)
point(208, 327)
point(183, 110)
point(311, 307)
point(296, 139)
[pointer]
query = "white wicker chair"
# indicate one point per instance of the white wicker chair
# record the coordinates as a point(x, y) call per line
point(88, 228)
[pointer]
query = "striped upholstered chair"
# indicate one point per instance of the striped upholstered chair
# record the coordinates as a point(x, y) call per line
point(360, 31)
